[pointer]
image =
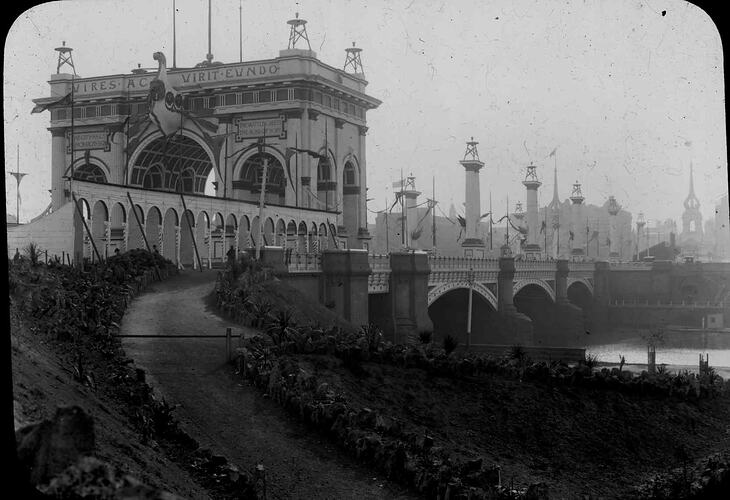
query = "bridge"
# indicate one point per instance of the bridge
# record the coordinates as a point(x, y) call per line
point(534, 302)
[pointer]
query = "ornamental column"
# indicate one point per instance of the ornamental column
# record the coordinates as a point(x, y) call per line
point(473, 245)
point(613, 245)
point(577, 198)
point(58, 167)
point(532, 249)
point(411, 212)
point(640, 223)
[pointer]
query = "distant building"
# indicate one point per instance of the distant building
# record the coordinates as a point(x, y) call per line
point(691, 237)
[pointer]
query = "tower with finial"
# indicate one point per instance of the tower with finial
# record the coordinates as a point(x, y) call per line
point(65, 58)
point(531, 183)
point(691, 237)
point(613, 245)
point(576, 197)
point(473, 245)
point(353, 61)
point(640, 223)
point(298, 31)
point(553, 210)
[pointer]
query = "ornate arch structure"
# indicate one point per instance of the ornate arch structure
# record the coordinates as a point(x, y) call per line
point(482, 290)
point(520, 284)
point(179, 162)
point(584, 281)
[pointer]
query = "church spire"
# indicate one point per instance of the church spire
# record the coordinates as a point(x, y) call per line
point(691, 202)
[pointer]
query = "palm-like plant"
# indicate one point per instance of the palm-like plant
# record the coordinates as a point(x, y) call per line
point(282, 326)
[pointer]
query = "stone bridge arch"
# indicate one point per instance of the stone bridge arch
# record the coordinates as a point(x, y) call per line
point(520, 284)
point(482, 290)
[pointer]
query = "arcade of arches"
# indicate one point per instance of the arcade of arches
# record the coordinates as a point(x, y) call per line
point(176, 163)
point(177, 234)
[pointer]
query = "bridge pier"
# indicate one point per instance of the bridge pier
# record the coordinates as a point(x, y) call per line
point(513, 326)
point(569, 327)
point(402, 313)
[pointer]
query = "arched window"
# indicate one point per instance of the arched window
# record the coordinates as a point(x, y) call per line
point(89, 172)
point(324, 170)
point(153, 177)
point(349, 175)
point(169, 160)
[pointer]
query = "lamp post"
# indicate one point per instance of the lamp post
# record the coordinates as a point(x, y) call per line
point(470, 281)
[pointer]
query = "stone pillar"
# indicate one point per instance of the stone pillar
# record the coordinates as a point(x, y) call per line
point(363, 235)
point(125, 230)
point(411, 213)
point(579, 239)
point(473, 245)
point(408, 296)
point(613, 248)
point(177, 244)
point(58, 167)
point(273, 257)
point(345, 274)
point(107, 238)
point(532, 248)
point(513, 327)
point(568, 326)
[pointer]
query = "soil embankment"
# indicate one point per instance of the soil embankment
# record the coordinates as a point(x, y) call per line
point(225, 414)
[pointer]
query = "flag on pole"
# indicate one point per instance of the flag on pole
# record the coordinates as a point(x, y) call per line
point(542, 227)
point(64, 101)
point(553, 152)
point(398, 184)
point(572, 235)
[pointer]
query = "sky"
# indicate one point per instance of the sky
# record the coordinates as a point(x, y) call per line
point(628, 93)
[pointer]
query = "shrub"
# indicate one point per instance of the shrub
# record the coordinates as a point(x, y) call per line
point(591, 361)
point(373, 337)
point(425, 336)
point(282, 325)
point(517, 352)
point(622, 362)
point(33, 252)
point(450, 343)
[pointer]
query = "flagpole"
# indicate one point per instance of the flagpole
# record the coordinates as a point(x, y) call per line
point(296, 172)
point(261, 197)
point(490, 219)
point(73, 98)
point(402, 212)
point(240, 31)
point(17, 197)
point(433, 210)
point(387, 232)
point(174, 35)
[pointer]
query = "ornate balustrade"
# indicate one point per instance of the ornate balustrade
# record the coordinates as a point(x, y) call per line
point(630, 266)
point(535, 269)
point(449, 269)
point(305, 263)
point(379, 279)
point(647, 303)
point(582, 269)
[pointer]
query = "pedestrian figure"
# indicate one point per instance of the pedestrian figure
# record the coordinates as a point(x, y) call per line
point(116, 252)
point(231, 254)
point(154, 249)
point(16, 257)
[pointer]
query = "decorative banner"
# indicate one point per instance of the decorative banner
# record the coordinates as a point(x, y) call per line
point(88, 140)
point(264, 127)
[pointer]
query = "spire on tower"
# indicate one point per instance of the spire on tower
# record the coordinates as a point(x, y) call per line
point(65, 58)
point(353, 60)
point(691, 202)
point(298, 31)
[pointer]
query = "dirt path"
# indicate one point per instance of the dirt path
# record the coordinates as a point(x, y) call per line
point(227, 415)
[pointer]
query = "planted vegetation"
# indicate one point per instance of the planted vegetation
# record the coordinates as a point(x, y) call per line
point(401, 408)
point(77, 311)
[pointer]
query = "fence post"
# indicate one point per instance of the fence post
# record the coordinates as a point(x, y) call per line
point(228, 345)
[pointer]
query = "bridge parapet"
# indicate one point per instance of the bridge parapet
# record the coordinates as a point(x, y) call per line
point(379, 279)
point(450, 269)
point(630, 266)
point(535, 269)
point(581, 269)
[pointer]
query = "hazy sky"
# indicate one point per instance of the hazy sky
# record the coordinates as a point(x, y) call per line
point(630, 92)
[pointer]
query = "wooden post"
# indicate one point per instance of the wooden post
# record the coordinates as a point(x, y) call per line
point(228, 345)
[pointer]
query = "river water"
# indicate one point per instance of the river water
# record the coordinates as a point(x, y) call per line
point(677, 350)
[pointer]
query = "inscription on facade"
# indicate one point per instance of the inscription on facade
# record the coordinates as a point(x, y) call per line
point(88, 140)
point(181, 79)
point(264, 127)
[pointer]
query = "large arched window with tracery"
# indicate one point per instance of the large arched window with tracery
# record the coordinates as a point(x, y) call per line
point(178, 163)
point(89, 172)
point(249, 180)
